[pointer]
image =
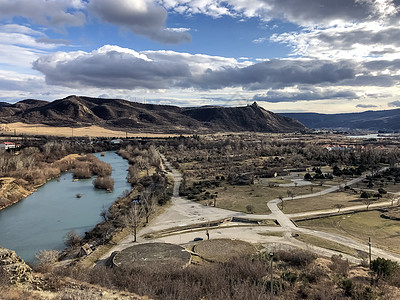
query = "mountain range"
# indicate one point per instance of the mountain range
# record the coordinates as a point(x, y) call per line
point(385, 120)
point(77, 111)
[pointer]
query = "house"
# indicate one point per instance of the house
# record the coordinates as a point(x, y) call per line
point(7, 145)
point(85, 250)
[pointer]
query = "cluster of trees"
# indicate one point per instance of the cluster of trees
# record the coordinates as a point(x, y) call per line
point(141, 158)
point(150, 189)
point(264, 156)
point(318, 175)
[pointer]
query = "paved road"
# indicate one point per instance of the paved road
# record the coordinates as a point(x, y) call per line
point(183, 212)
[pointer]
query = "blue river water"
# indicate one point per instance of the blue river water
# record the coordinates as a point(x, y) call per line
point(42, 220)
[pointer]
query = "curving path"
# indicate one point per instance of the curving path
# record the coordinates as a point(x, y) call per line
point(183, 212)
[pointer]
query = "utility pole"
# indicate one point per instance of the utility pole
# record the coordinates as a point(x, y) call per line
point(369, 252)
point(271, 256)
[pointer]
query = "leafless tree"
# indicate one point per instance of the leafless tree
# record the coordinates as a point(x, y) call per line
point(148, 202)
point(367, 202)
point(104, 214)
point(132, 218)
point(339, 206)
point(281, 198)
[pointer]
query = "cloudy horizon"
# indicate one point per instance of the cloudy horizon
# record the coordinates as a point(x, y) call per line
point(289, 56)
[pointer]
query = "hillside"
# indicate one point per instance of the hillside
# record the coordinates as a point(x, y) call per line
point(131, 116)
point(370, 120)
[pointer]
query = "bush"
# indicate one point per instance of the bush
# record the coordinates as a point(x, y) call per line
point(105, 183)
point(296, 258)
point(72, 239)
point(46, 259)
point(339, 266)
point(384, 268)
point(82, 173)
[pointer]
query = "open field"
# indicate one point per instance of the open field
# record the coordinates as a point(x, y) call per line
point(327, 201)
point(316, 241)
point(89, 131)
point(223, 250)
point(237, 197)
point(360, 226)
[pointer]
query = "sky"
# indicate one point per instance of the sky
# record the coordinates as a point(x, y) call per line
point(288, 55)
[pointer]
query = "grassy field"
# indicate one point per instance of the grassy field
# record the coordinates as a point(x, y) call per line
point(223, 250)
point(327, 201)
point(360, 226)
point(238, 197)
point(316, 241)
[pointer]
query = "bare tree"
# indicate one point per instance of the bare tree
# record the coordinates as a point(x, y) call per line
point(148, 202)
point(104, 214)
point(281, 198)
point(132, 218)
point(339, 206)
point(367, 202)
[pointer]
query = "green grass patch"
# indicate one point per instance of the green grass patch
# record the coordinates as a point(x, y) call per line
point(360, 226)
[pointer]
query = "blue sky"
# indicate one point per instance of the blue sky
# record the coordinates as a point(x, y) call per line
point(288, 55)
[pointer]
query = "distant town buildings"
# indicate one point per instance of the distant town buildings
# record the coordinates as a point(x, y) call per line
point(9, 145)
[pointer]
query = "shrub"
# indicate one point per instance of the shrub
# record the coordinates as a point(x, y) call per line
point(105, 183)
point(46, 258)
point(384, 268)
point(339, 266)
point(72, 239)
point(82, 173)
point(297, 258)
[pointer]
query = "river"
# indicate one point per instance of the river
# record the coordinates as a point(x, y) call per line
point(41, 220)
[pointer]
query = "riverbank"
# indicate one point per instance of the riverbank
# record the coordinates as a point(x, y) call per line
point(43, 219)
point(12, 192)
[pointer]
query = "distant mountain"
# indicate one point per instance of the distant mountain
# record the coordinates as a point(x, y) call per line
point(369, 120)
point(132, 116)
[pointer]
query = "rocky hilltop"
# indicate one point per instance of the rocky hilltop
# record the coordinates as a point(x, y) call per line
point(133, 116)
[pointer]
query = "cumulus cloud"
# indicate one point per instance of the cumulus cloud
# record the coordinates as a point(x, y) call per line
point(57, 13)
point(366, 106)
point(111, 67)
point(309, 95)
point(302, 12)
point(142, 17)
point(344, 41)
point(394, 103)
point(117, 67)
point(276, 74)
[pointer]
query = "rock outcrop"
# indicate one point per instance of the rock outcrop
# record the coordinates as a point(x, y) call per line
point(14, 268)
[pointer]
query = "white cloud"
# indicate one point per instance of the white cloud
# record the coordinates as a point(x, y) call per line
point(57, 13)
point(259, 40)
point(142, 17)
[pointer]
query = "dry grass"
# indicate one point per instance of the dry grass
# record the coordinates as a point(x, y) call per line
point(223, 250)
point(313, 240)
point(327, 201)
point(238, 197)
point(360, 226)
point(90, 131)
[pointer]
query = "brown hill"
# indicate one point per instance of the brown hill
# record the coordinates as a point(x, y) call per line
point(131, 116)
